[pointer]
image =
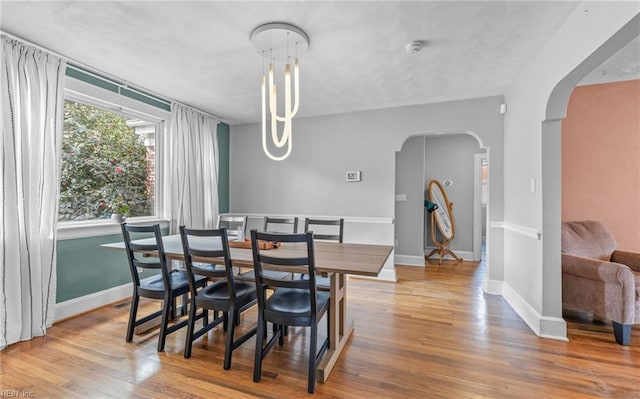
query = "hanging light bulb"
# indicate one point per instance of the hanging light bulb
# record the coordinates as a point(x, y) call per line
point(265, 37)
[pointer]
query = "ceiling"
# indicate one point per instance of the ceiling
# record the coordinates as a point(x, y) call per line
point(199, 53)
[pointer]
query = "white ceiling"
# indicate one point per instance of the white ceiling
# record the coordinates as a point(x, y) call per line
point(199, 53)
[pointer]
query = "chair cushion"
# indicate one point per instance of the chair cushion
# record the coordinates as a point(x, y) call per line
point(295, 302)
point(155, 283)
point(178, 281)
point(588, 239)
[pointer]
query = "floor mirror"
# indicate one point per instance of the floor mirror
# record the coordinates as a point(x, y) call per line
point(442, 222)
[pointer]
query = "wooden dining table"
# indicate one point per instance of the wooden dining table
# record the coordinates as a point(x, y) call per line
point(335, 260)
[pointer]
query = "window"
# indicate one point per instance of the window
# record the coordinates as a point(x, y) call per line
point(113, 155)
point(108, 164)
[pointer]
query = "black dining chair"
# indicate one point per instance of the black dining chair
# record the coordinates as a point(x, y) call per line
point(226, 295)
point(236, 225)
point(276, 224)
point(331, 230)
point(292, 303)
point(167, 286)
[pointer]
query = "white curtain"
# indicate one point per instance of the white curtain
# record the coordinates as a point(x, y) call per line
point(30, 151)
point(193, 168)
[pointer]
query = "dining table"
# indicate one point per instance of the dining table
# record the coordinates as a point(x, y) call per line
point(333, 260)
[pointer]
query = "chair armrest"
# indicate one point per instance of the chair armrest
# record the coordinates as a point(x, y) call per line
point(597, 270)
point(630, 259)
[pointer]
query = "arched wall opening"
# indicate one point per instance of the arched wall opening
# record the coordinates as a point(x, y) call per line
point(441, 156)
point(552, 167)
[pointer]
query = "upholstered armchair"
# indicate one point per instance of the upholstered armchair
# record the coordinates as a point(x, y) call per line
point(599, 279)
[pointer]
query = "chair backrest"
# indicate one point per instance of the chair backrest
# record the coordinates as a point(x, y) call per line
point(336, 228)
point(299, 258)
point(139, 245)
point(207, 243)
point(270, 224)
point(589, 239)
point(235, 225)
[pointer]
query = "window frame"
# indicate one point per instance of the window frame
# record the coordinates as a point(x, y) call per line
point(86, 93)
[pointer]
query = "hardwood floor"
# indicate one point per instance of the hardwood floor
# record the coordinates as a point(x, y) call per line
point(434, 334)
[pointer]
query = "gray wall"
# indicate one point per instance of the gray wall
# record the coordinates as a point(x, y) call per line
point(425, 158)
point(451, 157)
point(312, 180)
point(410, 209)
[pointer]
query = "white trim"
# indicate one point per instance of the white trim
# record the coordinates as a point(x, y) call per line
point(526, 312)
point(553, 328)
point(347, 219)
point(79, 91)
point(493, 287)
point(544, 327)
point(102, 227)
point(409, 260)
point(516, 228)
point(89, 302)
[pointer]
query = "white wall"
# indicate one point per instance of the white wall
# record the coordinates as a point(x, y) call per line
point(532, 267)
point(312, 180)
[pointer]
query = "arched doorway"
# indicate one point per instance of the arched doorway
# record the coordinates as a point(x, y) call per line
point(551, 167)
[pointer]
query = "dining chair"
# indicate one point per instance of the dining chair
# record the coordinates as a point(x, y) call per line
point(327, 230)
point(275, 224)
point(167, 285)
point(236, 225)
point(226, 295)
point(292, 303)
point(272, 223)
point(336, 233)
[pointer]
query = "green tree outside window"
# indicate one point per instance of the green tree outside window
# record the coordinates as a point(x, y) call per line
point(104, 166)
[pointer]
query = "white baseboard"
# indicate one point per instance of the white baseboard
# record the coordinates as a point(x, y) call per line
point(412, 260)
point(465, 255)
point(553, 328)
point(493, 287)
point(544, 327)
point(85, 303)
point(409, 260)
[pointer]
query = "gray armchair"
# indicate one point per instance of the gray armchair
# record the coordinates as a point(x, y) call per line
point(599, 279)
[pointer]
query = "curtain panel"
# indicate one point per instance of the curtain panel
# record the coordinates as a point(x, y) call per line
point(193, 168)
point(30, 154)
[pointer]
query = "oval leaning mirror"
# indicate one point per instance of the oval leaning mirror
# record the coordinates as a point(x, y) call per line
point(442, 219)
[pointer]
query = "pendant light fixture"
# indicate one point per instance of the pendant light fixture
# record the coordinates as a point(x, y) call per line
point(279, 43)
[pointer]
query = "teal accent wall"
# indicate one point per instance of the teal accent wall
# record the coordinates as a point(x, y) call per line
point(85, 268)
point(223, 168)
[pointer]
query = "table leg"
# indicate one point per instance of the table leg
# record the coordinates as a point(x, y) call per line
point(341, 327)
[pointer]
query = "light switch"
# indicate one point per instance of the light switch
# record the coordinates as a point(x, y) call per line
point(532, 184)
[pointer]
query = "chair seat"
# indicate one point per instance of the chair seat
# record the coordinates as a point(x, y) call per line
point(219, 292)
point(178, 282)
point(293, 302)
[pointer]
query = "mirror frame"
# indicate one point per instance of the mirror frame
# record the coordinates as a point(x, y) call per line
point(439, 218)
point(443, 214)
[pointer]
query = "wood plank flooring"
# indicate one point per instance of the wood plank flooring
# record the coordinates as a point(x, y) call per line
point(434, 334)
